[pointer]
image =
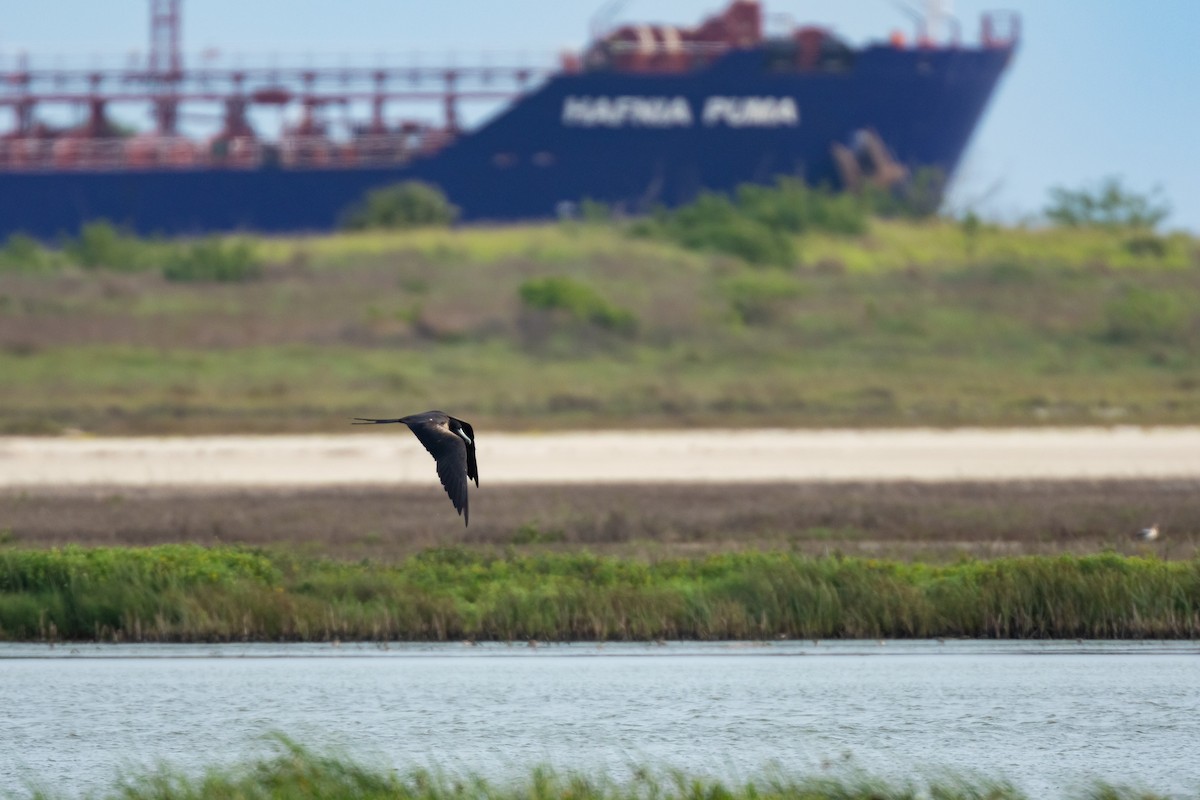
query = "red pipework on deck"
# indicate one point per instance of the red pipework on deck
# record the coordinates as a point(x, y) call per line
point(166, 84)
point(668, 48)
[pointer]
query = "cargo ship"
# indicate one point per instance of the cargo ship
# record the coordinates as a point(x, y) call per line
point(645, 116)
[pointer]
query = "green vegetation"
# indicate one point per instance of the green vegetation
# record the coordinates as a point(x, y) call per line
point(212, 260)
point(298, 772)
point(579, 301)
point(1109, 206)
point(1146, 315)
point(100, 244)
point(779, 306)
point(189, 593)
point(295, 771)
point(761, 298)
point(714, 223)
point(919, 198)
point(102, 247)
point(22, 253)
point(410, 204)
point(759, 224)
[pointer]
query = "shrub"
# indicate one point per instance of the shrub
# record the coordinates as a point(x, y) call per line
point(971, 226)
point(784, 207)
point(760, 299)
point(1145, 315)
point(758, 224)
point(594, 212)
point(530, 533)
point(578, 300)
point(21, 252)
point(842, 213)
point(919, 197)
point(411, 204)
point(101, 244)
point(1147, 245)
point(714, 223)
point(1109, 206)
point(793, 206)
point(212, 260)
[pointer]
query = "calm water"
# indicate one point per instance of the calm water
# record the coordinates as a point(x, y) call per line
point(1048, 716)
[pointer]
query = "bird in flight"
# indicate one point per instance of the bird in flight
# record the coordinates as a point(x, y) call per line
point(1147, 534)
point(451, 442)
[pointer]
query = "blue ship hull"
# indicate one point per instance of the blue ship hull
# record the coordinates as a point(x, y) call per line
point(537, 154)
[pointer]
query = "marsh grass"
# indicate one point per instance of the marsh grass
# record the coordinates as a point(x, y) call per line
point(295, 771)
point(191, 593)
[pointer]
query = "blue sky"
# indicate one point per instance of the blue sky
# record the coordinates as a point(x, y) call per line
point(1099, 88)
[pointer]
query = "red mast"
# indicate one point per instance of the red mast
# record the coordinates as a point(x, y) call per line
point(165, 65)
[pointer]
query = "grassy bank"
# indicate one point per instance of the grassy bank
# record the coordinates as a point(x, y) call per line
point(578, 325)
point(297, 772)
point(184, 592)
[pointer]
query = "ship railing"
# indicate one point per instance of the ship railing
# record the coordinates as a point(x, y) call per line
point(363, 150)
point(61, 153)
point(654, 56)
point(624, 47)
point(65, 153)
point(239, 152)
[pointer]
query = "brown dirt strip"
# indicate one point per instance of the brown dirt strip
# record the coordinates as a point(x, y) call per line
point(921, 520)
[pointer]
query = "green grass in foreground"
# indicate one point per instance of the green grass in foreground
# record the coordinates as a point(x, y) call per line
point(297, 772)
point(190, 593)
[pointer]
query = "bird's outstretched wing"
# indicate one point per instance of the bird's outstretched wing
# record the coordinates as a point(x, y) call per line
point(450, 453)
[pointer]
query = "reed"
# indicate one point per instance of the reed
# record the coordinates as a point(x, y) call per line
point(298, 772)
point(192, 593)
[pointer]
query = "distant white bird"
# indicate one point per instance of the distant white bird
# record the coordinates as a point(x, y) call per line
point(1147, 534)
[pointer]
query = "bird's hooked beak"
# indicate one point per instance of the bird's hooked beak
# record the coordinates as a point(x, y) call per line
point(463, 435)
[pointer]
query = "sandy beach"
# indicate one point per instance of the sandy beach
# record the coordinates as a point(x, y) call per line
point(395, 457)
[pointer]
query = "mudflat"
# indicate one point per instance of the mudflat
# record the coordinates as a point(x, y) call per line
point(908, 494)
point(934, 521)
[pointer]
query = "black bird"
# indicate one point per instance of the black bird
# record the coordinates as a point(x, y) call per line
point(451, 442)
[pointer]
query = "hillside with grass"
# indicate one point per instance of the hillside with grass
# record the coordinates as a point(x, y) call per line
point(776, 307)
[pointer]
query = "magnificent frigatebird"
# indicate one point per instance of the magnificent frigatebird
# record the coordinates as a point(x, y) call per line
point(451, 442)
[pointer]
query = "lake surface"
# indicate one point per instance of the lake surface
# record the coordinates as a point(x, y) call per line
point(1048, 716)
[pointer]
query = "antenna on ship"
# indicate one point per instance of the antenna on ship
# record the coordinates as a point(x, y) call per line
point(936, 13)
point(601, 19)
point(930, 21)
point(165, 66)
